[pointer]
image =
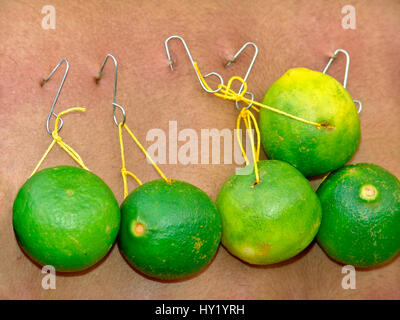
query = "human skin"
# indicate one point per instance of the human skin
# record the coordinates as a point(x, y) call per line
point(288, 34)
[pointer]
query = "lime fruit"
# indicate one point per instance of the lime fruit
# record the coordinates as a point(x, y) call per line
point(169, 231)
point(316, 97)
point(361, 215)
point(66, 217)
point(271, 221)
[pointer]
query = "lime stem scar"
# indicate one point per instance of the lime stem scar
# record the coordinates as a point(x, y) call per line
point(368, 192)
point(138, 229)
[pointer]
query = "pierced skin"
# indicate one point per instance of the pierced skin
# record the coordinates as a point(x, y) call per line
point(289, 34)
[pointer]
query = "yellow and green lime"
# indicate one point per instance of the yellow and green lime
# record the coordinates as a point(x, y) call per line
point(271, 221)
point(315, 97)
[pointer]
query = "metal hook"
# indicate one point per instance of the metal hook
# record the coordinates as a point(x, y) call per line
point(248, 70)
point(192, 62)
point(58, 93)
point(346, 73)
point(359, 105)
point(115, 105)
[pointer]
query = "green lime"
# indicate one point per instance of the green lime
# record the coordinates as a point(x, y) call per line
point(271, 221)
point(361, 215)
point(169, 231)
point(66, 217)
point(316, 97)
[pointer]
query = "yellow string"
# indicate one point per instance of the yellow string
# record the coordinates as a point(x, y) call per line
point(239, 140)
point(227, 93)
point(124, 172)
point(57, 139)
point(248, 118)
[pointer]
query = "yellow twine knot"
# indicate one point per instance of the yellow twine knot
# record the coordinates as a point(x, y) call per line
point(57, 139)
point(55, 136)
point(244, 113)
point(230, 94)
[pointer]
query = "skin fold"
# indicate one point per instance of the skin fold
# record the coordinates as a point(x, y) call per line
point(288, 33)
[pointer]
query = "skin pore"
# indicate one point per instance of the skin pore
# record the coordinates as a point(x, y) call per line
point(288, 33)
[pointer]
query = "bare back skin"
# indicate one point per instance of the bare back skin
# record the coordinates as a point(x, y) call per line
point(288, 33)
